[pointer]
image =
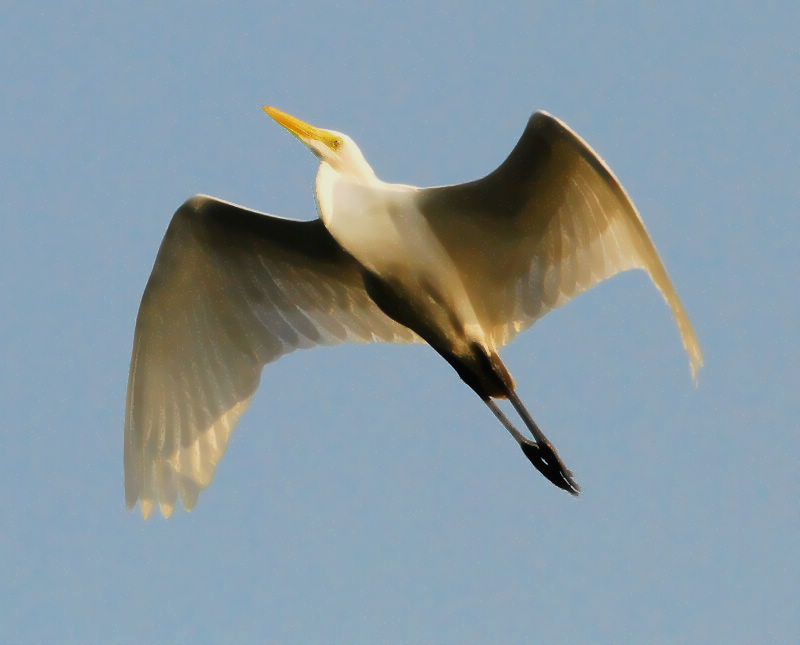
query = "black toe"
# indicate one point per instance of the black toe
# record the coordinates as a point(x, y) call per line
point(547, 462)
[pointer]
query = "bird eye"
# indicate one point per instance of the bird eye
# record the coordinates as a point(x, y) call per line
point(336, 144)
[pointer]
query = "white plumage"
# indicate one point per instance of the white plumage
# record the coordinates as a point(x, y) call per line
point(464, 267)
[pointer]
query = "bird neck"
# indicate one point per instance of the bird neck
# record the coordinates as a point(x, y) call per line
point(328, 178)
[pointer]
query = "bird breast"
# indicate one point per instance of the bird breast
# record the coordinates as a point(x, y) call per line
point(381, 226)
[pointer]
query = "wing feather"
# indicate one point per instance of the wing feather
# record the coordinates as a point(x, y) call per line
point(549, 223)
point(230, 291)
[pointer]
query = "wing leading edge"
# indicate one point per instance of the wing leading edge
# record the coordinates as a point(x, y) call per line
point(550, 222)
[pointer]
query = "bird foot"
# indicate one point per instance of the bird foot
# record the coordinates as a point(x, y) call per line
point(546, 460)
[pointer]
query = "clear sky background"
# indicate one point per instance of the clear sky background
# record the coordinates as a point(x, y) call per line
point(368, 496)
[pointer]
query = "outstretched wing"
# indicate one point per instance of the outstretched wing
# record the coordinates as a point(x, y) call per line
point(231, 290)
point(550, 222)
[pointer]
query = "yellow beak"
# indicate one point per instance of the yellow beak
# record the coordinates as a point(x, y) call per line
point(302, 130)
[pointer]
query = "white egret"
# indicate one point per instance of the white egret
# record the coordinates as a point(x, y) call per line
point(463, 267)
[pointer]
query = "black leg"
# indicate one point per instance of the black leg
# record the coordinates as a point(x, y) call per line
point(542, 454)
point(506, 423)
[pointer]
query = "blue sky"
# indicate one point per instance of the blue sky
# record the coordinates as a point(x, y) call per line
point(368, 496)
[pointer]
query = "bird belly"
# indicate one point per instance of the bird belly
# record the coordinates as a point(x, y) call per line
point(386, 233)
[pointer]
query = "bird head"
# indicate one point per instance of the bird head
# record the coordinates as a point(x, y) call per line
point(331, 147)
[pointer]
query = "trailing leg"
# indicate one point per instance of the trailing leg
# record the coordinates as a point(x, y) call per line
point(543, 454)
point(478, 367)
point(540, 453)
point(488, 377)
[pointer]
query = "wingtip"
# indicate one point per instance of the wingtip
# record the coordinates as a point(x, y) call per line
point(146, 506)
point(695, 365)
point(692, 347)
point(166, 509)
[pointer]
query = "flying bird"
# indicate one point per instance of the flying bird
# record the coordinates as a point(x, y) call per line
point(463, 268)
